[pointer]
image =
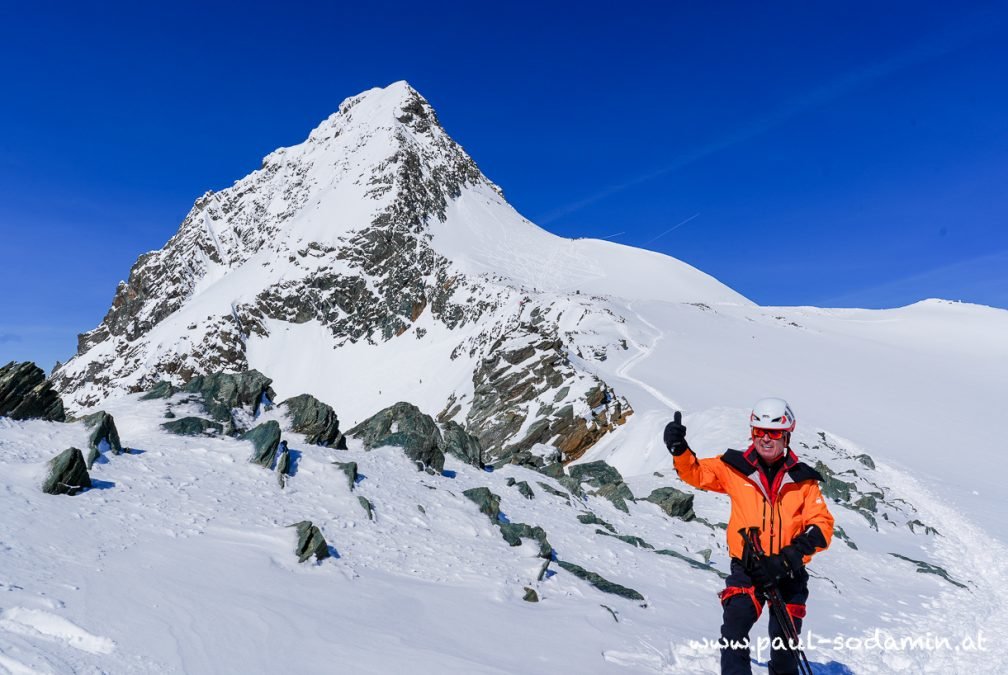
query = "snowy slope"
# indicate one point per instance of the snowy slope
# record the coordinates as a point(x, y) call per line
point(179, 561)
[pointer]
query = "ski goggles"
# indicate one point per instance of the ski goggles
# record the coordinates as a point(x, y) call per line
point(775, 434)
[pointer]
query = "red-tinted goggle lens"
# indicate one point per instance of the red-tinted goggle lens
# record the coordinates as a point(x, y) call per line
point(775, 434)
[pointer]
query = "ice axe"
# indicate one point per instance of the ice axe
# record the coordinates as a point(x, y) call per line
point(754, 556)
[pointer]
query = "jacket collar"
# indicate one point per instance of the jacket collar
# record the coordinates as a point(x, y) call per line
point(747, 463)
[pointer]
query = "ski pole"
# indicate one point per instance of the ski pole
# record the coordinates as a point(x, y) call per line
point(777, 605)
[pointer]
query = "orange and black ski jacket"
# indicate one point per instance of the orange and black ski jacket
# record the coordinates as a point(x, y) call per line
point(792, 509)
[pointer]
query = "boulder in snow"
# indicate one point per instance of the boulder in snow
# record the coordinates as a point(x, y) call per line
point(104, 435)
point(488, 502)
point(316, 420)
point(67, 474)
point(404, 426)
point(350, 470)
point(310, 542)
point(192, 426)
point(265, 438)
point(675, 503)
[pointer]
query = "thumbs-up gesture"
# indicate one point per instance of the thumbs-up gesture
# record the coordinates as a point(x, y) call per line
point(675, 435)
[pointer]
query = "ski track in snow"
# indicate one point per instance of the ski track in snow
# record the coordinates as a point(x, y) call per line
point(964, 549)
point(642, 353)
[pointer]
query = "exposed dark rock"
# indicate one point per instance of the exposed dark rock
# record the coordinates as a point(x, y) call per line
point(192, 426)
point(915, 524)
point(525, 490)
point(554, 470)
point(599, 582)
point(103, 428)
point(530, 595)
point(592, 519)
point(619, 494)
point(529, 363)
point(833, 487)
point(572, 485)
point(223, 392)
point(350, 470)
point(368, 506)
point(867, 502)
point(691, 562)
point(596, 474)
point(843, 492)
point(608, 481)
point(928, 568)
point(553, 491)
point(627, 538)
point(265, 439)
point(26, 394)
point(283, 465)
point(310, 542)
point(488, 502)
point(316, 420)
point(459, 443)
point(67, 474)
point(839, 533)
point(163, 389)
point(675, 503)
point(513, 533)
point(866, 460)
point(404, 426)
point(169, 415)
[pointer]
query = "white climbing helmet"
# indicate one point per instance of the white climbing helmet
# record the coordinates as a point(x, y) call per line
point(772, 413)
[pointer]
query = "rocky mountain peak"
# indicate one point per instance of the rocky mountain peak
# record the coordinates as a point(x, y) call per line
point(378, 239)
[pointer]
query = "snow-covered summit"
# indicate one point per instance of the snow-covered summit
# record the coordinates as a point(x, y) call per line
point(377, 241)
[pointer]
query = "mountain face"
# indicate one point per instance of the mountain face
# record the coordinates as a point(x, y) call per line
point(379, 234)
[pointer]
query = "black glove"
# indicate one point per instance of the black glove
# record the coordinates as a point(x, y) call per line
point(769, 570)
point(675, 435)
point(773, 568)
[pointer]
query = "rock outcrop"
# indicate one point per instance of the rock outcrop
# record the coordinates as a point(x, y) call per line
point(349, 470)
point(404, 426)
point(676, 503)
point(527, 372)
point(223, 392)
point(25, 393)
point(461, 444)
point(600, 582)
point(316, 420)
point(193, 426)
point(163, 389)
point(265, 439)
point(104, 435)
point(607, 480)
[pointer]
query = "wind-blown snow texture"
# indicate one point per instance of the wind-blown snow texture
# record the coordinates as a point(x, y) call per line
point(354, 267)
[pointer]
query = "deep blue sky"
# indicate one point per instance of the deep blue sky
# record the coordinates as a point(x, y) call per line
point(837, 154)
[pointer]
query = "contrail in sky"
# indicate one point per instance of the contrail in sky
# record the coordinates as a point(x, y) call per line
point(674, 227)
point(922, 52)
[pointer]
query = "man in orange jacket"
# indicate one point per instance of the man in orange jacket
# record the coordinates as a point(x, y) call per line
point(769, 489)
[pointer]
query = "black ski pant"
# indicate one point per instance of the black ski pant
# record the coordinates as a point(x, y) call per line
point(742, 605)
